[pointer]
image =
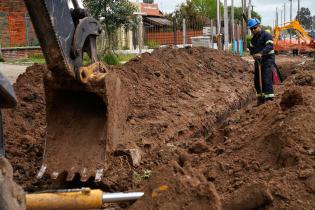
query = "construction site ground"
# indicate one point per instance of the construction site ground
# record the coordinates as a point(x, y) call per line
point(201, 142)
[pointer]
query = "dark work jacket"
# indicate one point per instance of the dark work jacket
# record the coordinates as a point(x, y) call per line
point(262, 43)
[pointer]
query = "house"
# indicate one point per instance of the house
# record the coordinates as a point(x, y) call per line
point(15, 25)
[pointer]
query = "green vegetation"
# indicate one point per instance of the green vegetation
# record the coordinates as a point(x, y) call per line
point(152, 44)
point(1, 58)
point(110, 59)
point(145, 175)
point(37, 58)
point(125, 57)
point(112, 14)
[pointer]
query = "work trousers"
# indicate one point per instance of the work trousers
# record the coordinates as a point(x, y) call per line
point(1, 137)
point(267, 65)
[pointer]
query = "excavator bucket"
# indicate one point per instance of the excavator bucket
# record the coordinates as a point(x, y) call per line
point(83, 123)
point(84, 104)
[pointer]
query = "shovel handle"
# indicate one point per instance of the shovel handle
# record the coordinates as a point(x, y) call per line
point(260, 76)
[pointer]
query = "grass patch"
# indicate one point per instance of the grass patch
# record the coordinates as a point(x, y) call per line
point(37, 58)
point(126, 57)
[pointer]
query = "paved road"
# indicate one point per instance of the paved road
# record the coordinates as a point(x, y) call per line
point(12, 71)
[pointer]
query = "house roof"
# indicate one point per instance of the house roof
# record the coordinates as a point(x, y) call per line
point(160, 21)
point(150, 9)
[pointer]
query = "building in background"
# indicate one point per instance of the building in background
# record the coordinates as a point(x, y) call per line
point(16, 29)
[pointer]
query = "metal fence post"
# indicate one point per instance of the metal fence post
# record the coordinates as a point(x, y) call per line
point(184, 33)
point(175, 31)
point(140, 34)
point(212, 34)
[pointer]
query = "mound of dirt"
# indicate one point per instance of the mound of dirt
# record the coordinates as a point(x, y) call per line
point(172, 187)
point(176, 126)
point(272, 143)
point(25, 127)
point(11, 195)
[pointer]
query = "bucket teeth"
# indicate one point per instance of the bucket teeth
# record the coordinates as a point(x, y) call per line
point(84, 175)
point(54, 175)
point(70, 175)
point(41, 171)
point(99, 175)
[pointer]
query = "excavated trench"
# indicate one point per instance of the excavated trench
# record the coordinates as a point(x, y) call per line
point(164, 107)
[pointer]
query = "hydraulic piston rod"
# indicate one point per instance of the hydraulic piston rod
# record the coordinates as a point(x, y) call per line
point(76, 199)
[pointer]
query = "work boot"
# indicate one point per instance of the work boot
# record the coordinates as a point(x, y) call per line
point(269, 99)
point(260, 100)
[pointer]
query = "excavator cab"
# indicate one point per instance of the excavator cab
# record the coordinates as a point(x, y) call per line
point(81, 100)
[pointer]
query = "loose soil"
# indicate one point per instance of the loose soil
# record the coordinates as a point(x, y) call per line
point(198, 145)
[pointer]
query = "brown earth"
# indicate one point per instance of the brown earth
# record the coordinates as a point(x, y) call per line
point(196, 148)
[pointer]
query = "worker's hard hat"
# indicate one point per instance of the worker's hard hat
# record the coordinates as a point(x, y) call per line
point(268, 31)
point(252, 22)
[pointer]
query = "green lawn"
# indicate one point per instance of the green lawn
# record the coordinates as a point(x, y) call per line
point(122, 58)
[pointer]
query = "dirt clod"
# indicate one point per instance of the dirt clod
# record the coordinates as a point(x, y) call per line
point(291, 98)
point(249, 197)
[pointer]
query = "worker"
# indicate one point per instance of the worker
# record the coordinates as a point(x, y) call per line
point(262, 50)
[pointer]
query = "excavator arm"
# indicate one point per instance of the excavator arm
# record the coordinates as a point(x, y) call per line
point(64, 35)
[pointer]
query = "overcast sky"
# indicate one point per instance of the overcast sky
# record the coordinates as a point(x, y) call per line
point(266, 8)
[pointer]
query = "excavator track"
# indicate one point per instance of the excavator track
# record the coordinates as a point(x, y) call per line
point(77, 112)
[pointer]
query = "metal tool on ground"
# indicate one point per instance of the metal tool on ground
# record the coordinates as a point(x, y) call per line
point(84, 198)
point(79, 99)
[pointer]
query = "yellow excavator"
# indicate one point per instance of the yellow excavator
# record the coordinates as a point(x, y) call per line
point(308, 41)
point(83, 110)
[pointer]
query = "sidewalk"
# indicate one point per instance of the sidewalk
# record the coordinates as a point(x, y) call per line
point(12, 71)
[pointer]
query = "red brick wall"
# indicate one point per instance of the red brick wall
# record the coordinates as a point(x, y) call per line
point(166, 38)
point(20, 52)
point(15, 26)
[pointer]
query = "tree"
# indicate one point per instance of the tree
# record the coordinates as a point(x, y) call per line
point(238, 11)
point(305, 17)
point(112, 14)
point(198, 10)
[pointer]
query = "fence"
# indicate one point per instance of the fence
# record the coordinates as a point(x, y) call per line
point(176, 33)
point(16, 30)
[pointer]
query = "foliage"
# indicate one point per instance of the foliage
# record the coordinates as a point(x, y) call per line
point(1, 58)
point(37, 58)
point(305, 17)
point(152, 44)
point(141, 177)
point(111, 59)
point(125, 57)
point(112, 15)
point(198, 10)
point(238, 11)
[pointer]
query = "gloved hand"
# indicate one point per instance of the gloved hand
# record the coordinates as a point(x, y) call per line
point(257, 56)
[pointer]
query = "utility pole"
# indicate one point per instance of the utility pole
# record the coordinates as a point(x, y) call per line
point(299, 17)
point(277, 17)
point(284, 8)
point(299, 10)
point(244, 29)
point(290, 19)
point(233, 25)
point(219, 42)
point(281, 18)
point(226, 26)
point(249, 15)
